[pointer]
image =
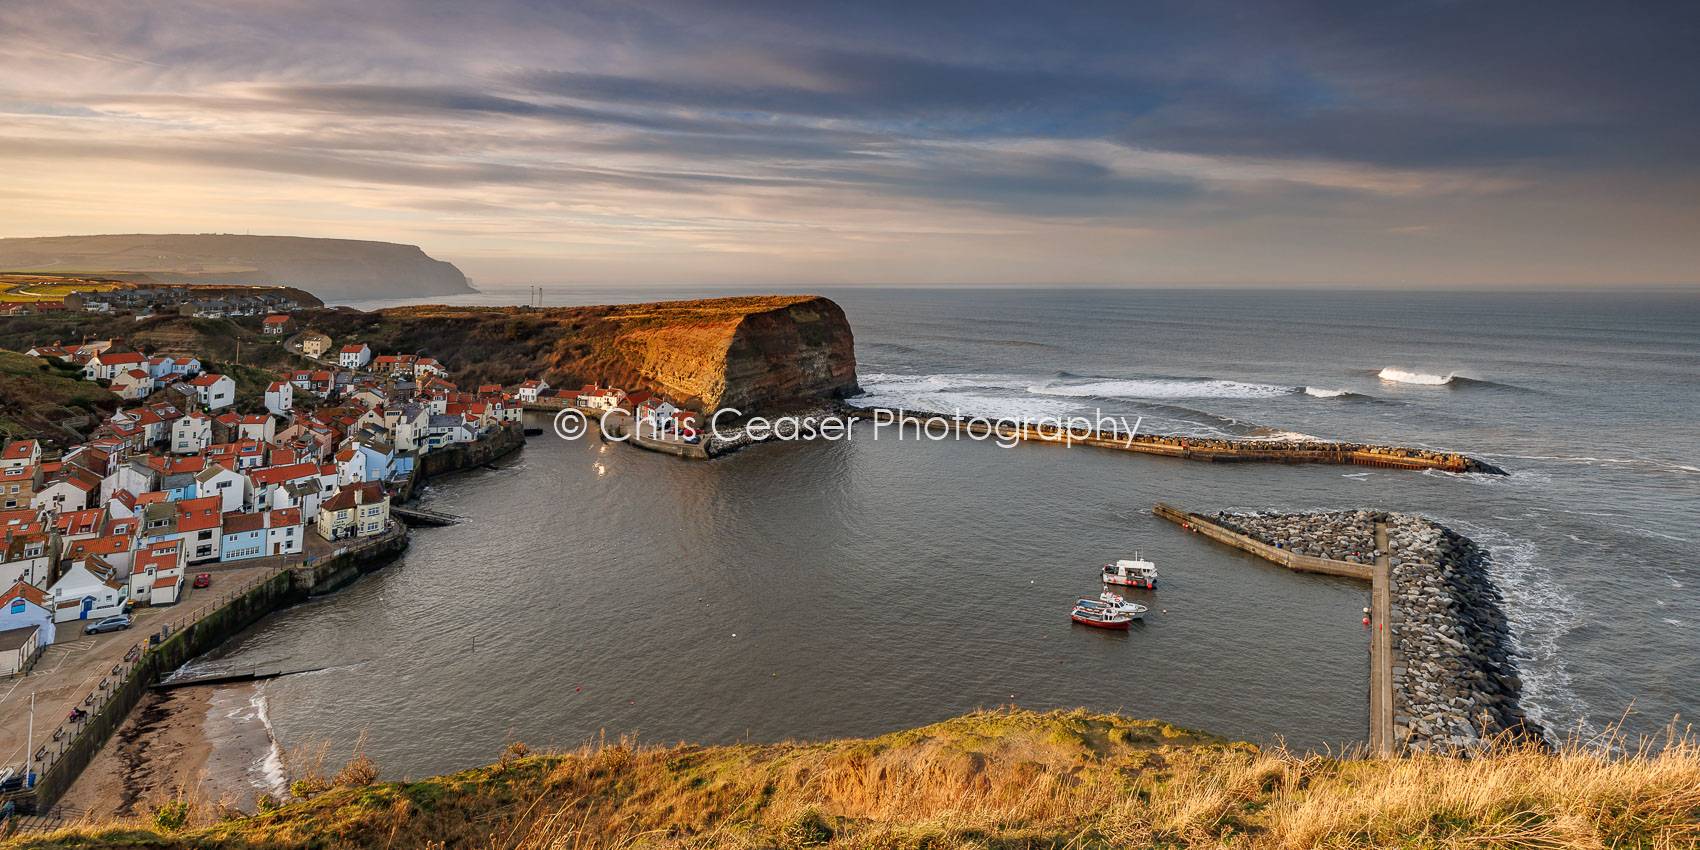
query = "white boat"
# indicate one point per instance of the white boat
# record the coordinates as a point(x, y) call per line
point(1134, 572)
point(1115, 603)
point(1097, 615)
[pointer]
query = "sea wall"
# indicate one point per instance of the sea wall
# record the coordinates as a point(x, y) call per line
point(1458, 681)
point(505, 440)
point(1222, 528)
point(282, 589)
point(1455, 681)
point(153, 665)
point(317, 577)
point(1203, 449)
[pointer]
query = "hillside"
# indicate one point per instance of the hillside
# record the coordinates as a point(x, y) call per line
point(754, 353)
point(757, 353)
point(329, 268)
point(1012, 779)
point(48, 399)
point(208, 339)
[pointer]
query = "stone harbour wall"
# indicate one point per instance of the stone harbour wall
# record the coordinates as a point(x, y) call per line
point(1455, 677)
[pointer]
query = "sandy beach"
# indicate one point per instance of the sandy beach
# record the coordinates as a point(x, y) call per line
point(206, 744)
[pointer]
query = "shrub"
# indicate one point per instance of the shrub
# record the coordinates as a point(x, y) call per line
point(171, 816)
point(807, 829)
point(307, 788)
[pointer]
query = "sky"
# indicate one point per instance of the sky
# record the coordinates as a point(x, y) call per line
point(1378, 144)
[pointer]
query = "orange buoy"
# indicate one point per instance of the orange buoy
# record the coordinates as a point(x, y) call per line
point(1366, 621)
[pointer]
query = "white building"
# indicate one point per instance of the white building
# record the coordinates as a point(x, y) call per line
point(157, 578)
point(230, 487)
point(26, 605)
point(285, 532)
point(106, 365)
point(214, 391)
point(21, 453)
point(191, 434)
point(280, 397)
point(529, 390)
point(354, 356)
point(89, 590)
point(259, 426)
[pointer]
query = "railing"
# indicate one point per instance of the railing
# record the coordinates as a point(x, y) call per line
point(121, 675)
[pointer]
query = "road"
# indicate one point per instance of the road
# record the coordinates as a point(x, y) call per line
point(72, 668)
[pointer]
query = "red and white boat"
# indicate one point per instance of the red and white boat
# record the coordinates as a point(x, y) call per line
point(1098, 615)
point(1134, 572)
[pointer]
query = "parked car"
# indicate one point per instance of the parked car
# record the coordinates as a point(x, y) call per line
point(203, 580)
point(110, 624)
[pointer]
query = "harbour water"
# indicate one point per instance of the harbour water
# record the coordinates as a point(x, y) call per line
point(857, 587)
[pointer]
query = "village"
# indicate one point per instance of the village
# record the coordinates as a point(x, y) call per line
point(191, 485)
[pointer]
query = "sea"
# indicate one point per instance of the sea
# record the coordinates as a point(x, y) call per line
point(813, 590)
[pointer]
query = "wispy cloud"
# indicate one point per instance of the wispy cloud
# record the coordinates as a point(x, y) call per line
point(942, 141)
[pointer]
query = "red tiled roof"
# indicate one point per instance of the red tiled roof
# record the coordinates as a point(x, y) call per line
point(199, 514)
point(371, 493)
point(274, 474)
point(29, 592)
point(237, 522)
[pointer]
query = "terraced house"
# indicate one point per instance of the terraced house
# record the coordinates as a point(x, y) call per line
point(357, 510)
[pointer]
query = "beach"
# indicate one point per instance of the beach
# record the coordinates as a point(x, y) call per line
point(205, 744)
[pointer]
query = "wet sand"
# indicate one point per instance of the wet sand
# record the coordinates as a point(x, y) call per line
point(208, 745)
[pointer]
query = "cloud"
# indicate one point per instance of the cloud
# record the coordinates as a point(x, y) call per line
point(810, 128)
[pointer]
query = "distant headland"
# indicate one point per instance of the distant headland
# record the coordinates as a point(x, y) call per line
point(334, 269)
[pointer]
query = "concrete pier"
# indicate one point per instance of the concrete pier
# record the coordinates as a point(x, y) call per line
point(1289, 559)
point(1443, 673)
point(1381, 650)
point(1381, 738)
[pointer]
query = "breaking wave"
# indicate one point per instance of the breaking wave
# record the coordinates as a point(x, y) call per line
point(1162, 388)
point(1401, 376)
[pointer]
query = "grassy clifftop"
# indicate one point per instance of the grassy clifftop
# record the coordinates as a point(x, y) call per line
point(986, 780)
point(49, 399)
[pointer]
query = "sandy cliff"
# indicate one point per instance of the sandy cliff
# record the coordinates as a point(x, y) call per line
point(759, 353)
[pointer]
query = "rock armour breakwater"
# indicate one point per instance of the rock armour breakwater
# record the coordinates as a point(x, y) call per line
point(1459, 681)
point(1455, 679)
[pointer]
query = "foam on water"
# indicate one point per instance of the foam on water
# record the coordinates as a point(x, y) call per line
point(975, 395)
point(1401, 376)
point(1318, 392)
point(1541, 614)
point(1162, 388)
point(271, 767)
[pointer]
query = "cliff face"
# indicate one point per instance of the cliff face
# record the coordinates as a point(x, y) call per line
point(759, 354)
point(753, 354)
point(337, 269)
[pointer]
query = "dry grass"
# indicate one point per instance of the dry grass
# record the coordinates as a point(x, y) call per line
point(1000, 779)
